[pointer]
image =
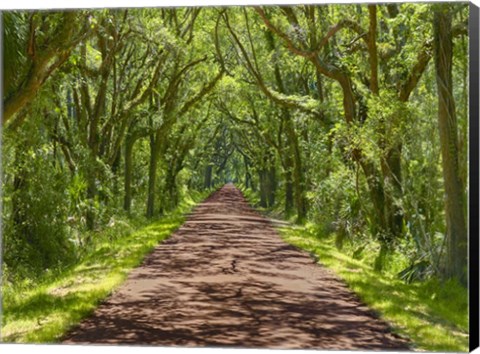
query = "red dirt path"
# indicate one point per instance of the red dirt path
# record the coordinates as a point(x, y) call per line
point(225, 278)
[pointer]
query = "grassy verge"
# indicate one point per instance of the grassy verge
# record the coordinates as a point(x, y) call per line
point(433, 315)
point(42, 311)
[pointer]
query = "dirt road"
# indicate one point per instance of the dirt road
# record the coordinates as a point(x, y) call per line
point(225, 278)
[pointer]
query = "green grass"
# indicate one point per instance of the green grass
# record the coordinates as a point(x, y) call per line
point(42, 311)
point(432, 314)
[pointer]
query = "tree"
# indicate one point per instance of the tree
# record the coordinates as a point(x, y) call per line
point(34, 50)
point(323, 111)
point(358, 84)
point(178, 97)
point(456, 262)
point(110, 81)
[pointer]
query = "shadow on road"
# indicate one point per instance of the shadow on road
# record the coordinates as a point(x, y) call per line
point(225, 278)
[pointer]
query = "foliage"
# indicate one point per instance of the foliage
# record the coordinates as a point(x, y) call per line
point(35, 222)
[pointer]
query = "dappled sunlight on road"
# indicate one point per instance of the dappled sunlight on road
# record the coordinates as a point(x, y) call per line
point(225, 278)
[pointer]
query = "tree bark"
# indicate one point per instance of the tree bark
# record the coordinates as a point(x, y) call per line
point(248, 177)
point(91, 195)
point(372, 49)
point(152, 175)
point(456, 261)
point(298, 175)
point(44, 62)
point(91, 173)
point(272, 182)
point(392, 175)
point(127, 202)
point(288, 185)
point(208, 177)
point(170, 199)
point(262, 177)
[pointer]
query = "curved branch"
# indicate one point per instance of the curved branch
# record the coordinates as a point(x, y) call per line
point(45, 63)
point(345, 23)
point(423, 59)
point(276, 97)
point(372, 49)
point(415, 74)
point(203, 92)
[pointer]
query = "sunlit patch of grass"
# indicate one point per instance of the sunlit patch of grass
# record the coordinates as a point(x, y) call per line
point(434, 315)
point(41, 312)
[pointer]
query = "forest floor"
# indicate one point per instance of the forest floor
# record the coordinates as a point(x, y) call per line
point(226, 279)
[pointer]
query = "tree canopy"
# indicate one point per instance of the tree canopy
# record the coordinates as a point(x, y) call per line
point(328, 112)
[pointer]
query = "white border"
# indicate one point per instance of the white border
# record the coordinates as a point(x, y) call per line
point(75, 4)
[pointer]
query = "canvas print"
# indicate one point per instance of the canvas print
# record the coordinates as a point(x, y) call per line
point(289, 177)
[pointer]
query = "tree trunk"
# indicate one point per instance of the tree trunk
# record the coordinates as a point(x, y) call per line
point(127, 202)
point(91, 194)
point(91, 176)
point(262, 177)
point(298, 175)
point(170, 200)
point(380, 226)
point(152, 176)
point(248, 177)
point(272, 185)
point(115, 171)
point(208, 177)
point(456, 262)
point(392, 174)
point(288, 185)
